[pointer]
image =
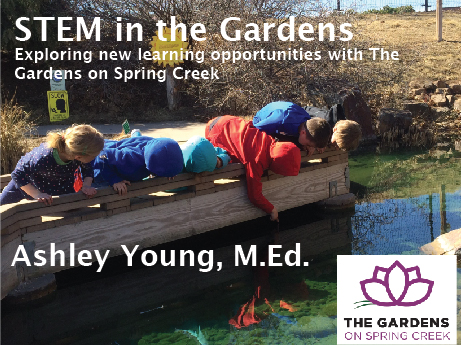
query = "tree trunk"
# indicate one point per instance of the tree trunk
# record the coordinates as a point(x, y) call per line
point(171, 90)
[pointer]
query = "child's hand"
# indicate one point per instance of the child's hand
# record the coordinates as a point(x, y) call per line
point(121, 187)
point(44, 198)
point(321, 150)
point(275, 215)
point(310, 150)
point(89, 191)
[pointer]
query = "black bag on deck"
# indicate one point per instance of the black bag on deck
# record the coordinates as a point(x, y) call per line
point(333, 115)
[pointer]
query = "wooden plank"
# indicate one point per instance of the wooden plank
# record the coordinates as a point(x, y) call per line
point(12, 220)
point(145, 227)
point(179, 196)
point(224, 175)
point(307, 168)
point(150, 184)
point(37, 220)
point(338, 158)
point(158, 198)
point(337, 173)
point(10, 229)
point(94, 214)
point(229, 168)
point(115, 205)
point(11, 237)
point(41, 227)
point(73, 201)
point(242, 181)
point(223, 208)
point(205, 192)
point(224, 184)
point(274, 176)
point(118, 211)
point(5, 178)
point(68, 220)
point(291, 192)
point(96, 200)
point(316, 156)
point(203, 186)
point(9, 274)
point(139, 203)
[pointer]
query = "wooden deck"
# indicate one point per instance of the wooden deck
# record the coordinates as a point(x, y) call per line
point(148, 216)
point(109, 300)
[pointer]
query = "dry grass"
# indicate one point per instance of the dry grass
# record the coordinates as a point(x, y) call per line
point(15, 130)
point(414, 37)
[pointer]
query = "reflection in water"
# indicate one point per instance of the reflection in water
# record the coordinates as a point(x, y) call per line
point(180, 305)
point(408, 200)
point(402, 226)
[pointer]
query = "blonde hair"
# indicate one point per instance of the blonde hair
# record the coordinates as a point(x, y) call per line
point(82, 140)
point(347, 135)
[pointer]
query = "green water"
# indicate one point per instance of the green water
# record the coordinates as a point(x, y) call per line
point(407, 200)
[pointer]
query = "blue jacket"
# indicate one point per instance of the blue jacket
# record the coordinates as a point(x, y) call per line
point(136, 158)
point(280, 117)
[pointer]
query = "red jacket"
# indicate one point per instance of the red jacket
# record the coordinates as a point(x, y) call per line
point(246, 144)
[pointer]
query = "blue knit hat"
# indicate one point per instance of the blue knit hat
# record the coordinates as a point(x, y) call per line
point(200, 156)
point(163, 157)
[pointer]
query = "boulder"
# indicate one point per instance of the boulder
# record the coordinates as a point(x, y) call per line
point(414, 84)
point(457, 105)
point(429, 85)
point(390, 118)
point(444, 91)
point(437, 111)
point(416, 108)
point(357, 109)
point(441, 84)
point(456, 88)
point(419, 91)
point(439, 100)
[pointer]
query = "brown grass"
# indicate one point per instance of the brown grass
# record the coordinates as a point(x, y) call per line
point(15, 130)
point(414, 37)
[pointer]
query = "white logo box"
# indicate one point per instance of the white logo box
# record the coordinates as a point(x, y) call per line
point(397, 305)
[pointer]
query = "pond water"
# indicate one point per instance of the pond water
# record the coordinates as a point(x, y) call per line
point(406, 200)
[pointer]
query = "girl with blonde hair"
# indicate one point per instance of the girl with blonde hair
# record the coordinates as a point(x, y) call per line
point(57, 167)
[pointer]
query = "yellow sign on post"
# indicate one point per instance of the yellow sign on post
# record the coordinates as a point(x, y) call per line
point(168, 52)
point(58, 105)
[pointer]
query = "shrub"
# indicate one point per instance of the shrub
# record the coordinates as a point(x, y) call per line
point(393, 10)
point(15, 125)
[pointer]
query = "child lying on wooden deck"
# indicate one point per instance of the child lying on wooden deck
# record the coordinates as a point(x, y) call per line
point(257, 151)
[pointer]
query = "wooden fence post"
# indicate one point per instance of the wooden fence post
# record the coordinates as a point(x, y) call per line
point(438, 14)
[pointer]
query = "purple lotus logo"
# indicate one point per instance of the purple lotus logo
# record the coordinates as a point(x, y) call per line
point(396, 286)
